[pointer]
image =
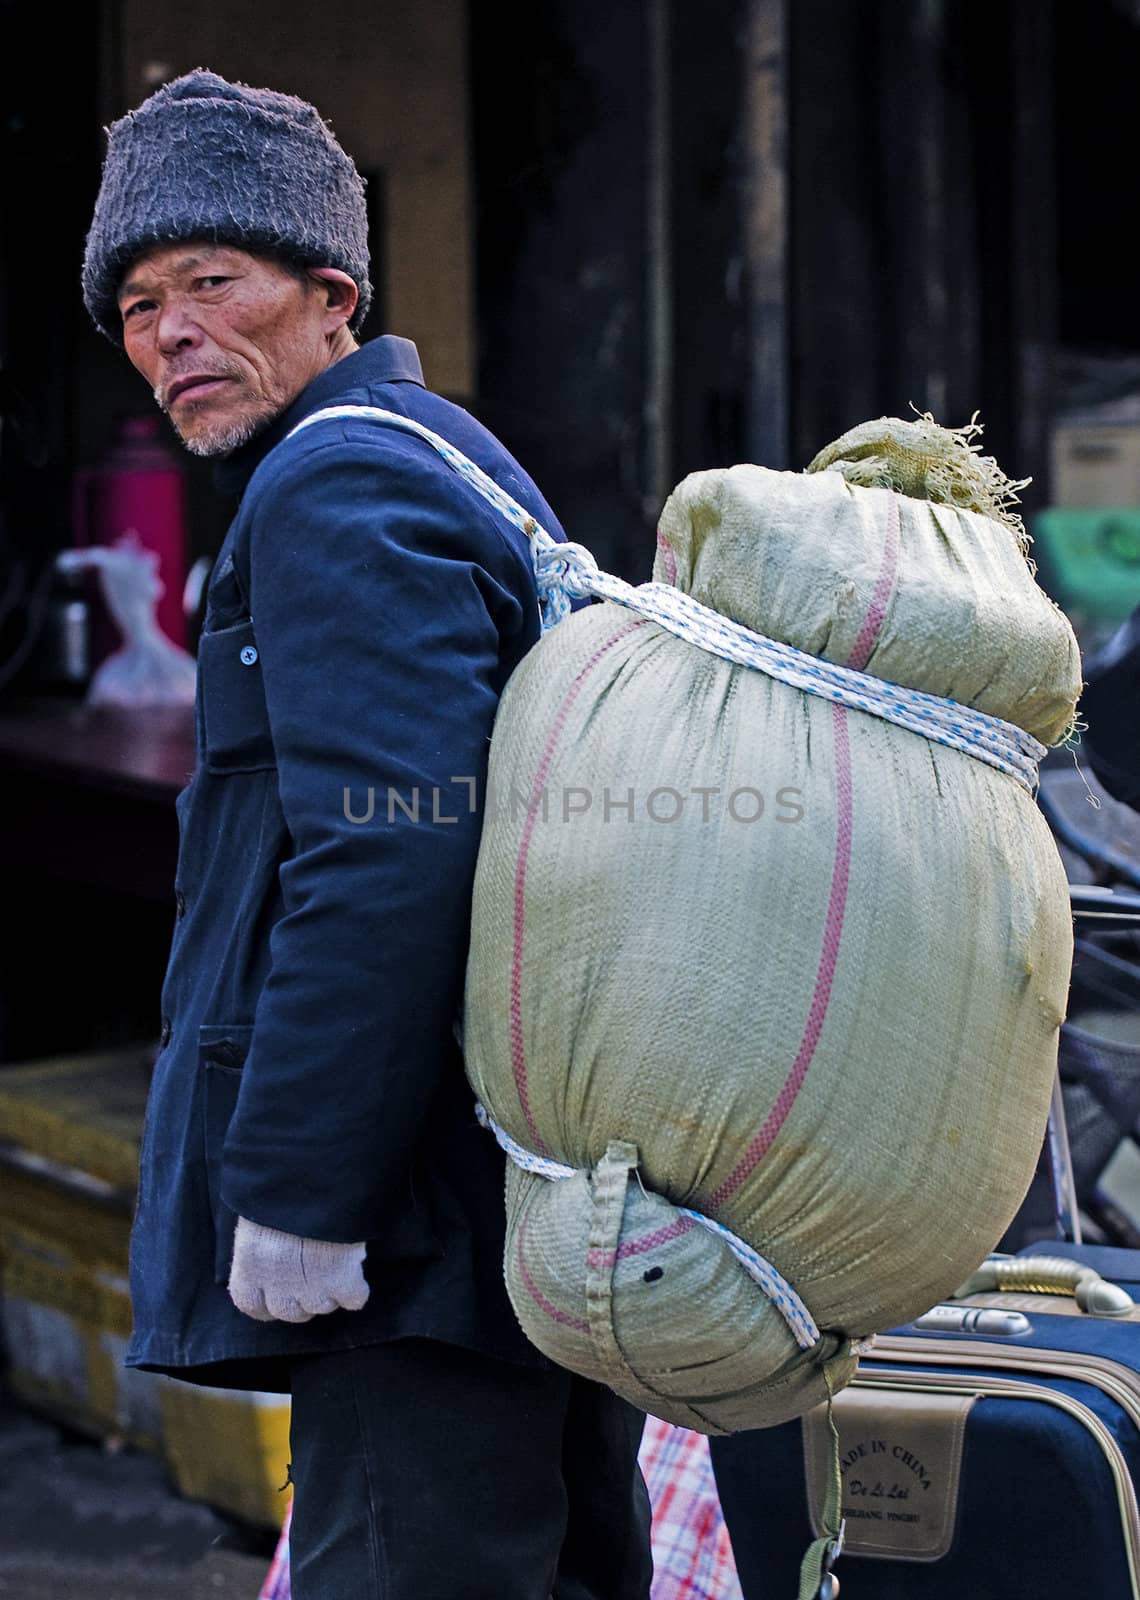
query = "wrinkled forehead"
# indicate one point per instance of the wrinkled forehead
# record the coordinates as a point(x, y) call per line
point(169, 263)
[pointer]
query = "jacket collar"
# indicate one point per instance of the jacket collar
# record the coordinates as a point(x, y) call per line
point(388, 359)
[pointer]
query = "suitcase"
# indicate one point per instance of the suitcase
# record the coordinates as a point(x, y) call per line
point(992, 1448)
point(996, 1458)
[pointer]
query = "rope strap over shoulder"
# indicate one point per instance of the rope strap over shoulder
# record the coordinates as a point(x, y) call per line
point(567, 571)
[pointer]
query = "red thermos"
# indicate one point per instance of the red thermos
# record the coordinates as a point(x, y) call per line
point(138, 483)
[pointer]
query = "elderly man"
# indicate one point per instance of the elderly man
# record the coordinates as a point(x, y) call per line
point(318, 1210)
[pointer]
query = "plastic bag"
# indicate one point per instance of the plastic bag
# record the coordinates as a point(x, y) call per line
point(147, 670)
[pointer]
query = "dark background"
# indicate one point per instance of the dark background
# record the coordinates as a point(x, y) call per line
point(702, 233)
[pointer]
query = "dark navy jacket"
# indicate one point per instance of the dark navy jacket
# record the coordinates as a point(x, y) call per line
point(364, 614)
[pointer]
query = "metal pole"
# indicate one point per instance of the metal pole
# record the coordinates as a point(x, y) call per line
point(1034, 240)
point(765, 229)
point(659, 293)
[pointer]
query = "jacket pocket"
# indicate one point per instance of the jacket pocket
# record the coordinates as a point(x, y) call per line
point(235, 722)
point(222, 1049)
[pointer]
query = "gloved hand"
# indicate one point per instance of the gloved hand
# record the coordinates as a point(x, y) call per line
point(277, 1276)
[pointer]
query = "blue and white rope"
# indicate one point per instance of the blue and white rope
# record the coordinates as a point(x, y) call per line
point(566, 570)
point(541, 1166)
point(779, 1291)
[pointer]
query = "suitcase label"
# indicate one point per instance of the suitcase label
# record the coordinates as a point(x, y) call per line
point(900, 1458)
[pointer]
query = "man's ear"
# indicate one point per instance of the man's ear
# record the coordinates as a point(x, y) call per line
point(342, 295)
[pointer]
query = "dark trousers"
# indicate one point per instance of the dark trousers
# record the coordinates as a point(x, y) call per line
point(426, 1472)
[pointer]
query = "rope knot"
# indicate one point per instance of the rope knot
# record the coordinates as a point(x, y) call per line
point(562, 572)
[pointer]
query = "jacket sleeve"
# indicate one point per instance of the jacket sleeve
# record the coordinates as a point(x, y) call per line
point(380, 593)
point(1111, 703)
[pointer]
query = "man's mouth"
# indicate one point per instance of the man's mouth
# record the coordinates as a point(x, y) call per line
point(194, 388)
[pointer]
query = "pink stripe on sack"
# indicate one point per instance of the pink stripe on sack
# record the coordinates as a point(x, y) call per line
point(518, 1046)
point(840, 873)
point(668, 557)
point(832, 933)
point(877, 610)
point(566, 1318)
point(638, 1247)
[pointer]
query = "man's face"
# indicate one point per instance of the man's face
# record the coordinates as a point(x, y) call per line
point(226, 339)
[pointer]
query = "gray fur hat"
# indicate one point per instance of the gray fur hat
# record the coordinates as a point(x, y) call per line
point(203, 158)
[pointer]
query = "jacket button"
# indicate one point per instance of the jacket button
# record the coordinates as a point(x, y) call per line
point(179, 904)
point(248, 655)
point(164, 1035)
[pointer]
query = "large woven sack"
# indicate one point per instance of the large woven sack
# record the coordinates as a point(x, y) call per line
point(740, 950)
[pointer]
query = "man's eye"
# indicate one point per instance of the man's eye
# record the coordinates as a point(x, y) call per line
point(212, 281)
point(136, 306)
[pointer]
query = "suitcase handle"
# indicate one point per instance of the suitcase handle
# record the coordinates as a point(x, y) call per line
point(1050, 1275)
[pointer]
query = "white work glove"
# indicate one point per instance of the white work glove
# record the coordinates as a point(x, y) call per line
point(279, 1277)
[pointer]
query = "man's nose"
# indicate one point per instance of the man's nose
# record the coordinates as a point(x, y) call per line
point(177, 329)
